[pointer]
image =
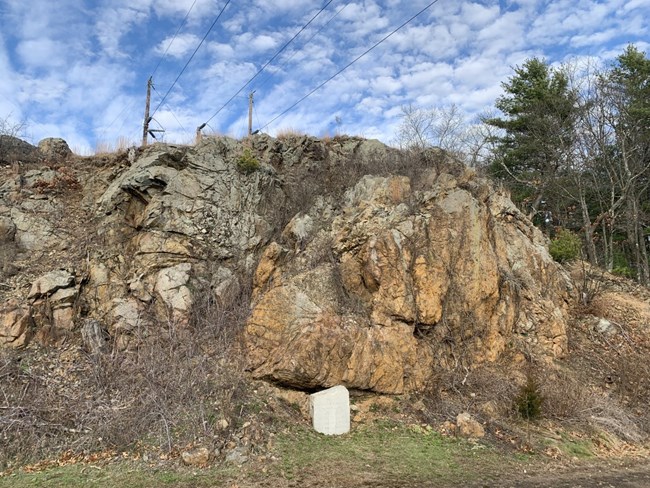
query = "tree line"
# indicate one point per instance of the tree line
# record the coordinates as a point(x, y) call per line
point(572, 143)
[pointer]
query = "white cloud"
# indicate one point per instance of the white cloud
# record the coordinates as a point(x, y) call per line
point(41, 52)
point(263, 43)
point(636, 4)
point(477, 15)
point(594, 39)
point(179, 46)
point(81, 65)
point(386, 84)
point(113, 24)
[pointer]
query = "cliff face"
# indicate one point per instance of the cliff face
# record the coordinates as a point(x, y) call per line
point(395, 283)
point(374, 283)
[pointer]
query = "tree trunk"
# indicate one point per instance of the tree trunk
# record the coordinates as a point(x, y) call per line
point(641, 251)
point(635, 240)
point(608, 246)
point(589, 232)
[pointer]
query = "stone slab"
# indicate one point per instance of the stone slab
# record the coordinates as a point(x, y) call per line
point(330, 411)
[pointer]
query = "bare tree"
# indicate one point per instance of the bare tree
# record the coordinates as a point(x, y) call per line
point(447, 128)
point(12, 148)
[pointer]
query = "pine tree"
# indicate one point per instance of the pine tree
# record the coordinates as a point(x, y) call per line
point(538, 130)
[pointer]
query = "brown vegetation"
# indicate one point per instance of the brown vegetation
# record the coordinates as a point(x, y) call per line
point(178, 387)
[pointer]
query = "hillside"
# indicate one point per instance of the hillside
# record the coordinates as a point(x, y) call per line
point(177, 296)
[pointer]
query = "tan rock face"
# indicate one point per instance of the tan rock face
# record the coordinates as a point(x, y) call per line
point(151, 231)
point(16, 325)
point(173, 213)
point(413, 281)
point(373, 289)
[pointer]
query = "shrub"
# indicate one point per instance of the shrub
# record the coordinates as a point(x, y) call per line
point(529, 400)
point(247, 163)
point(624, 271)
point(566, 246)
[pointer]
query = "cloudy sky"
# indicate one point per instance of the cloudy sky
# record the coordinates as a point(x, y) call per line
point(78, 69)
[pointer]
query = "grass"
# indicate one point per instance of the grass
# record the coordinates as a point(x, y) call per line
point(578, 448)
point(289, 133)
point(118, 475)
point(381, 453)
point(121, 144)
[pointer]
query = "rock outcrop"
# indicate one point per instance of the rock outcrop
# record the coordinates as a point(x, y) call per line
point(372, 282)
point(398, 282)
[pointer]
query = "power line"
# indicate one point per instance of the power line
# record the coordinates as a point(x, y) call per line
point(172, 112)
point(349, 64)
point(191, 57)
point(125, 109)
point(173, 39)
point(128, 107)
point(268, 76)
point(270, 60)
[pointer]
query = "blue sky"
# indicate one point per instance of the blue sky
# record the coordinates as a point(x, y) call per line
point(78, 69)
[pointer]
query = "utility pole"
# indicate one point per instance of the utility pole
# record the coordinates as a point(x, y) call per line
point(147, 119)
point(198, 133)
point(250, 113)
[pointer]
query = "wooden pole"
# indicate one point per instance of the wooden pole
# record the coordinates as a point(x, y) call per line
point(250, 113)
point(198, 133)
point(145, 126)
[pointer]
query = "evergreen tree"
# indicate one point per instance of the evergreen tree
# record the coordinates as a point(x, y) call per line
point(538, 131)
point(628, 89)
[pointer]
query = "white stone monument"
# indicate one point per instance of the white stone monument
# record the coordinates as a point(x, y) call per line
point(330, 410)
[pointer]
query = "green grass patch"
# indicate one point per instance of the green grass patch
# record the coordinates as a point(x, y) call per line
point(382, 451)
point(581, 449)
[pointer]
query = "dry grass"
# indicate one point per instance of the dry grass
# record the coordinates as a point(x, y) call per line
point(489, 393)
point(121, 144)
point(289, 133)
point(169, 391)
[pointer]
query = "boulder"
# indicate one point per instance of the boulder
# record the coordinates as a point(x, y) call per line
point(199, 456)
point(467, 426)
point(399, 282)
point(238, 456)
point(54, 148)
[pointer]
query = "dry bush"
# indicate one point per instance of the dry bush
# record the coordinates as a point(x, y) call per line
point(289, 133)
point(566, 397)
point(485, 391)
point(610, 416)
point(490, 393)
point(590, 285)
point(633, 385)
point(64, 181)
point(169, 391)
